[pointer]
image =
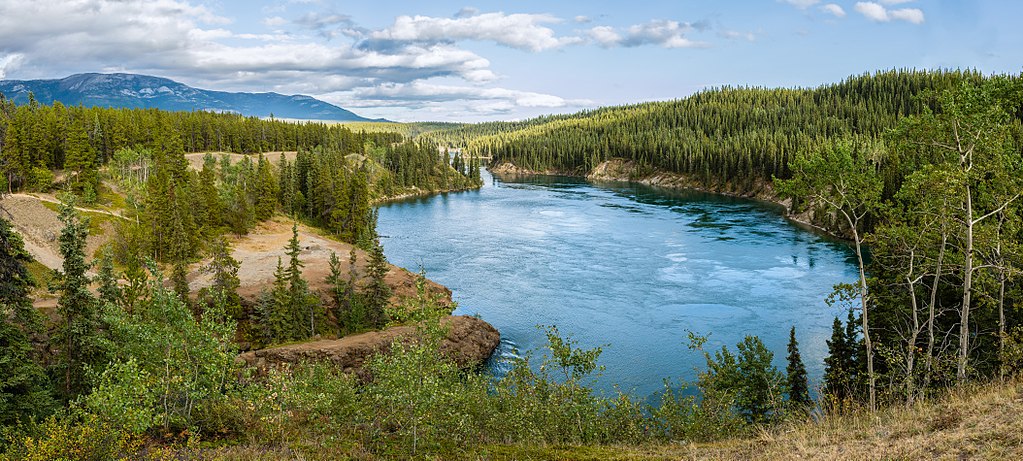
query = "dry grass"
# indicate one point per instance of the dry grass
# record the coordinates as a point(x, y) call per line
point(981, 422)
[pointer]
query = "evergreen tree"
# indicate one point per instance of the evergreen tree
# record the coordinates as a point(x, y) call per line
point(23, 387)
point(795, 372)
point(378, 292)
point(303, 303)
point(77, 336)
point(109, 290)
point(839, 365)
point(339, 287)
point(179, 280)
point(80, 161)
point(276, 309)
point(266, 190)
point(224, 270)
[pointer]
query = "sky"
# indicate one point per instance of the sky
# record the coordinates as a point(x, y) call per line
point(444, 60)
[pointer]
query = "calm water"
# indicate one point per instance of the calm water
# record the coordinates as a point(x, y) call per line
point(625, 267)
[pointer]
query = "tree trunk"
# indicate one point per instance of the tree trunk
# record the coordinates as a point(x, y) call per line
point(964, 324)
point(911, 346)
point(866, 330)
point(1001, 323)
point(931, 310)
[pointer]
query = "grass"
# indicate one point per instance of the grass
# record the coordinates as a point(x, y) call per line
point(42, 276)
point(974, 422)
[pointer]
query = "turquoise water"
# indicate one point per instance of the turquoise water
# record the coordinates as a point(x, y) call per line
point(625, 267)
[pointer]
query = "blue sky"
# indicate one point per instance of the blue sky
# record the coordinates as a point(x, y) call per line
point(473, 61)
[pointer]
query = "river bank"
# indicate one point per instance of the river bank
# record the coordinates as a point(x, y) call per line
point(622, 170)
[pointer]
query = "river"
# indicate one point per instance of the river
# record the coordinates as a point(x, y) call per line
point(626, 267)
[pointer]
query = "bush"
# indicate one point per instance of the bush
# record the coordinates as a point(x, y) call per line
point(79, 437)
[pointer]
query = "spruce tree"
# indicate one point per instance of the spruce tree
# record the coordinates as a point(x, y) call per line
point(224, 270)
point(266, 190)
point(339, 291)
point(799, 389)
point(378, 292)
point(303, 306)
point(80, 160)
point(24, 392)
point(77, 336)
point(109, 290)
point(278, 321)
point(179, 280)
point(837, 365)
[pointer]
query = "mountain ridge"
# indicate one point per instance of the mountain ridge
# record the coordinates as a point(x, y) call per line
point(146, 91)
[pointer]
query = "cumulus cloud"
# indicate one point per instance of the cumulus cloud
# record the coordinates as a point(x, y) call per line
point(522, 31)
point(665, 33)
point(833, 10)
point(312, 51)
point(801, 4)
point(879, 13)
point(175, 39)
point(424, 92)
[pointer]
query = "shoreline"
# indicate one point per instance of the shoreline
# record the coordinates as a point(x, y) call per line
point(621, 170)
point(418, 194)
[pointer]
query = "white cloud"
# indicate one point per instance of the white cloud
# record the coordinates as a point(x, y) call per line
point(582, 19)
point(275, 21)
point(878, 13)
point(665, 33)
point(833, 10)
point(801, 4)
point(736, 35)
point(605, 36)
point(522, 31)
point(913, 15)
point(873, 11)
point(9, 63)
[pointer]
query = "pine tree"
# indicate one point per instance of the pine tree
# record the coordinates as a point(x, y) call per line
point(80, 160)
point(302, 303)
point(23, 386)
point(339, 291)
point(795, 372)
point(278, 324)
point(179, 280)
point(77, 335)
point(838, 365)
point(109, 290)
point(224, 270)
point(266, 190)
point(378, 293)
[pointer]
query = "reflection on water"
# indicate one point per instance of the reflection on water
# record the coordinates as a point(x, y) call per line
point(626, 267)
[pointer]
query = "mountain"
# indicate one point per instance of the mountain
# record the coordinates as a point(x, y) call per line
point(143, 91)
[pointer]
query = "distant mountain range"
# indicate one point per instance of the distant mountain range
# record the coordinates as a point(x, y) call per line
point(143, 91)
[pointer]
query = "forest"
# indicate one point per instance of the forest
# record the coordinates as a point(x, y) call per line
point(921, 171)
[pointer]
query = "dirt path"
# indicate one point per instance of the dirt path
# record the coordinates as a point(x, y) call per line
point(40, 228)
point(116, 214)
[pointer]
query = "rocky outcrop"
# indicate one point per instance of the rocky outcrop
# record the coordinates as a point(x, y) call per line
point(510, 169)
point(469, 342)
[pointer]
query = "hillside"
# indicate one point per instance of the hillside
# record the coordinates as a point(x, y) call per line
point(143, 91)
point(743, 135)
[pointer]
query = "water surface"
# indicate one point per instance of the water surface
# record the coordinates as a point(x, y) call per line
point(626, 267)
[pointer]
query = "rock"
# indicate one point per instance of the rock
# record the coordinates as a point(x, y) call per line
point(469, 342)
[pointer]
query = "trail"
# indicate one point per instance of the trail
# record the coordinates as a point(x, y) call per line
point(58, 202)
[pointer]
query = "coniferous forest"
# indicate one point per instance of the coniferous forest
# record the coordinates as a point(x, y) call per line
point(921, 172)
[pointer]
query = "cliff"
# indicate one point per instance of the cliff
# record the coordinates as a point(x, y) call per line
point(469, 342)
